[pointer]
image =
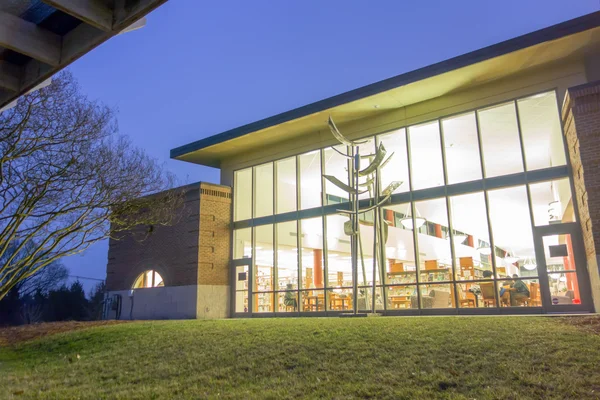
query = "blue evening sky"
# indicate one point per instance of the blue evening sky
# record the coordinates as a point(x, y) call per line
point(199, 68)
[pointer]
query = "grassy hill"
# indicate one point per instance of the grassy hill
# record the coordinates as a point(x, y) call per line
point(396, 358)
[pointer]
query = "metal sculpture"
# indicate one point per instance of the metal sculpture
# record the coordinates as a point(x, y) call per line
point(371, 175)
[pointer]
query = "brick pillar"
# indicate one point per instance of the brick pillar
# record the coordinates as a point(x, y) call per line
point(213, 251)
point(581, 124)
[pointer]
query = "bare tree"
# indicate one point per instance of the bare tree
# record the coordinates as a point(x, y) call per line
point(67, 180)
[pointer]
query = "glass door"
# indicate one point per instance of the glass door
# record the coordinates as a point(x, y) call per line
point(563, 278)
point(241, 277)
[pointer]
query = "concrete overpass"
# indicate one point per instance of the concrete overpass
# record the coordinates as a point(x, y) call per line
point(40, 37)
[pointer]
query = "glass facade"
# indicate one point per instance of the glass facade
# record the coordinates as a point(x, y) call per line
point(460, 227)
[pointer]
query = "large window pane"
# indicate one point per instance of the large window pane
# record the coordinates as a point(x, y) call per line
point(426, 156)
point(461, 145)
point(517, 292)
point(397, 168)
point(500, 139)
point(436, 296)
point(562, 275)
point(339, 261)
point(399, 248)
point(312, 253)
point(402, 297)
point(310, 179)
point(241, 288)
point(242, 194)
point(366, 261)
point(263, 192)
point(435, 259)
point(286, 185)
point(242, 243)
point(366, 149)
point(541, 130)
point(335, 165)
point(287, 256)
point(513, 237)
point(263, 269)
point(551, 202)
point(471, 237)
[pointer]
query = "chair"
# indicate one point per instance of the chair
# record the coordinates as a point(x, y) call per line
point(488, 294)
point(435, 299)
point(534, 295)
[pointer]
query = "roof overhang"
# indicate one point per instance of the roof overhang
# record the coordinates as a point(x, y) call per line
point(40, 37)
point(567, 39)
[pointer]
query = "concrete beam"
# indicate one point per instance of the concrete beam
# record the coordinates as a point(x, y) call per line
point(10, 76)
point(92, 12)
point(29, 39)
point(126, 13)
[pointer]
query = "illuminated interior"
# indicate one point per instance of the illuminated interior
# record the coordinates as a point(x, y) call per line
point(471, 249)
point(148, 279)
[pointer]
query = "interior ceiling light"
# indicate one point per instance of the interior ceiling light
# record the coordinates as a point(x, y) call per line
point(529, 265)
point(407, 221)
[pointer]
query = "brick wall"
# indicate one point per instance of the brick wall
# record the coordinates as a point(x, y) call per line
point(581, 122)
point(214, 238)
point(170, 250)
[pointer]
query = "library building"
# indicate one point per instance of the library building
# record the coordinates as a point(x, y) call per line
point(470, 186)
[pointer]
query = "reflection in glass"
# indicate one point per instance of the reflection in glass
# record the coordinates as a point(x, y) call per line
point(426, 156)
point(287, 256)
point(511, 228)
point(263, 193)
point(310, 179)
point(335, 165)
point(397, 167)
point(541, 131)
point(551, 202)
point(500, 140)
point(435, 259)
point(242, 194)
point(286, 185)
point(242, 243)
point(462, 148)
point(471, 237)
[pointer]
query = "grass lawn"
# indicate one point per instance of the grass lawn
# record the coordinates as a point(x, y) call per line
point(385, 357)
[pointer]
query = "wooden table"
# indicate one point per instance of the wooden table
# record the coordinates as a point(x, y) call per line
point(338, 303)
point(315, 303)
point(400, 301)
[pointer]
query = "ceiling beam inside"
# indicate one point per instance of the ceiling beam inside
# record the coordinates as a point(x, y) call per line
point(29, 39)
point(92, 12)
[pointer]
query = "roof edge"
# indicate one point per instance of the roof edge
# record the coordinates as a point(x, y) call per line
point(553, 32)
